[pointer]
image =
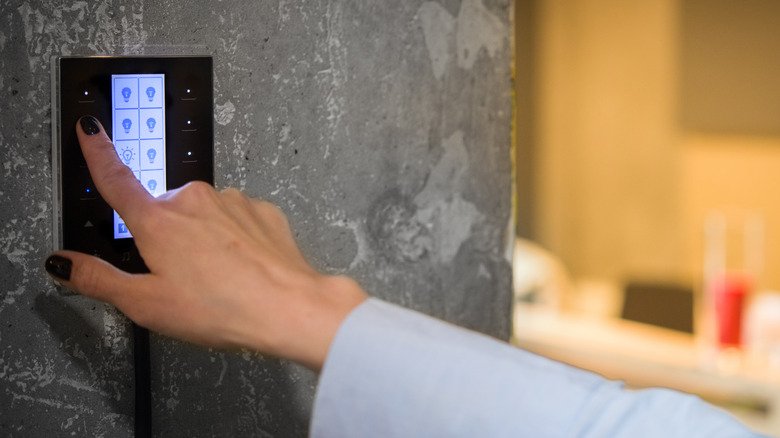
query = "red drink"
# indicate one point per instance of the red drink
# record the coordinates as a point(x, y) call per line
point(729, 291)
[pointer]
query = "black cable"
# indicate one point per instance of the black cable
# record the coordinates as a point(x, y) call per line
point(143, 382)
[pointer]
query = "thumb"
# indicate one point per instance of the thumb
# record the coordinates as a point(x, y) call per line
point(90, 276)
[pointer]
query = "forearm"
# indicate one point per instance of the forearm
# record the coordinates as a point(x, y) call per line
point(397, 373)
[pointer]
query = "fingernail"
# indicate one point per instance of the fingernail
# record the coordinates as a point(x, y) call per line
point(59, 267)
point(90, 125)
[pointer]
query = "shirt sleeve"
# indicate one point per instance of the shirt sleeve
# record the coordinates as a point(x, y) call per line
point(393, 372)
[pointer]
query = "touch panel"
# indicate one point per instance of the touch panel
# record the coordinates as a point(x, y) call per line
point(138, 117)
point(158, 112)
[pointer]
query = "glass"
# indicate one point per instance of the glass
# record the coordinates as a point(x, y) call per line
point(733, 263)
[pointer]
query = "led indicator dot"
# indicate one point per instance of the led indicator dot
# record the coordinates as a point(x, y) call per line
point(86, 93)
point(189, 122)
point(189, 153)
point(88, 190)
point(188, 91)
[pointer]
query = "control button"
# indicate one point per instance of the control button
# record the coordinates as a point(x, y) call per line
point(87, 192)
point(86, 93)
point(150, 91)
point(189, 94)
point(88, 224)
point(188, 89)
point(189, 157)
point(189, 126)
point(76, 156)
point(86, 97)
point(188, 150)
point(192, 87)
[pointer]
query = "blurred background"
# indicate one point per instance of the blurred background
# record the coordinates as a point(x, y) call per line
point(648, 162)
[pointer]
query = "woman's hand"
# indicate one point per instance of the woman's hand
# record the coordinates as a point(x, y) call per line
point(225, 270)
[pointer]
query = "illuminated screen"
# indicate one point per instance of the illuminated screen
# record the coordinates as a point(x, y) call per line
point(138, 113)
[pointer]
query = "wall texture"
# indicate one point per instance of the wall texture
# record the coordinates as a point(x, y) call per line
point(381, 128)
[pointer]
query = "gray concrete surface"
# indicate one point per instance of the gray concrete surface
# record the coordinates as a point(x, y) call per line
point(382, 128)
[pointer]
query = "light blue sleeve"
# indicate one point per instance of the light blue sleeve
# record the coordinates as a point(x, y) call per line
point(392, 372)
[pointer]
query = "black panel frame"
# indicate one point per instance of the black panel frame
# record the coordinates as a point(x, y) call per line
point(83, 220)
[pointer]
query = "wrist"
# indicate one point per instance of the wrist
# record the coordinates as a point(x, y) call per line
point(319, 312)
point(340, 295)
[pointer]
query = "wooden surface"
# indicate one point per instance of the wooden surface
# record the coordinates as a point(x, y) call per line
point(648, 356)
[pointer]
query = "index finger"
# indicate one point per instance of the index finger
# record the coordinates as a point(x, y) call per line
point(115, 181)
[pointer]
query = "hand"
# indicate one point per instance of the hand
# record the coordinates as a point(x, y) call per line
point(225, 270)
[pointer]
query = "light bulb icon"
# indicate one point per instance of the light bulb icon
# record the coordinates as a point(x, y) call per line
point(126, 92)
point(127, 123)
point(152, 184)
point(150, 122)
point(127, 156)
point(150, 93)
point(151, 154)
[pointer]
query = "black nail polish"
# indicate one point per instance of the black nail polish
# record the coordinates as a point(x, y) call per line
point(90, 125)
point(59, 267)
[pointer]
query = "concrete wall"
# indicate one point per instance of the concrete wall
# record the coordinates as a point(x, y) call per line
point(381, 128)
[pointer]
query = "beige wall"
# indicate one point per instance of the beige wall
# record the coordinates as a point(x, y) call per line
point(621, 189)
point(732, 174)
point(607, 164)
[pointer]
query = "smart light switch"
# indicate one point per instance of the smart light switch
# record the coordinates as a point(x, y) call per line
point(158, 111)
